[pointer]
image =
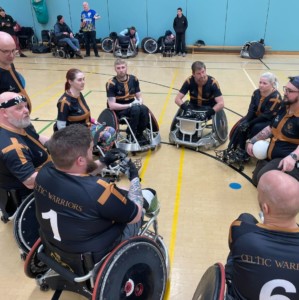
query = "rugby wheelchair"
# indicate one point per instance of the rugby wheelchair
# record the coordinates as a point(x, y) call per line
point(167, 44)
point(137, 268)
point(151, 134)
point(123, 47)
point(191, 131)
point(212, 284)
point(254, 50)
point(233, 155)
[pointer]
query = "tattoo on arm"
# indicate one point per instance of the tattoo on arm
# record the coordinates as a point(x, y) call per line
point(135, 193)
point(262, 135)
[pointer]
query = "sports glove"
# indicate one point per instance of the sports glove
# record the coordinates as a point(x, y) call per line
point(209, 113)
point(133, 172)
point(109, 158)
point(184, 106)
point(135, 103)
point(244, 126)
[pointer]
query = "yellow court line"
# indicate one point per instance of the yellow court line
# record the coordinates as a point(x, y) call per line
point(145, 164)
point(166, 102)
point(167, 97)
point(175, 218)
point(49, 99)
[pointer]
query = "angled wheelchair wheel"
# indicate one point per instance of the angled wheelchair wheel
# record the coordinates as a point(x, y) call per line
point(109, 118)
point(143, 41)
point(154, 121)
point(220, 125)
point(150, 46)
point(33, 267)
point(256, 50)
point(212, 284)
point(107, 44)
point(134, 270)
point(26, 226)
point(232, 131)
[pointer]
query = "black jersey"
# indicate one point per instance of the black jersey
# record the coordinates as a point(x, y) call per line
point(21, 154)
point(123, 91)
point(10, 81)
point(285, 131)
point(264, 106)
point(80, 213)
point(73, 110)
point(263, 261)
point(201, 95)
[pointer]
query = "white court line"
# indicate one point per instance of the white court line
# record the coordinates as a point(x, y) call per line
point(249, 78)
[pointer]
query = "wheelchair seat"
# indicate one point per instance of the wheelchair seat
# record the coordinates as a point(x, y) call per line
point(212, 284)
point(194, 133)
point(124, 47)
point(151, 134)
point(137, 268)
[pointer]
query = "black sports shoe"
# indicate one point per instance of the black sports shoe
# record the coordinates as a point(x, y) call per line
point(97, 55)
point(23, 55)
point(86, 55)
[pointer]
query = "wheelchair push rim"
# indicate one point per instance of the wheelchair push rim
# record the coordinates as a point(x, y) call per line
point(26, 225)
point(134, 270)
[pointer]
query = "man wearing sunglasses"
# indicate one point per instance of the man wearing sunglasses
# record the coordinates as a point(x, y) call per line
point(283, 151)
point(11, 80)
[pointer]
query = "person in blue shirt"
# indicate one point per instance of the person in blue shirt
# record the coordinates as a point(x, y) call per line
point(88, 27)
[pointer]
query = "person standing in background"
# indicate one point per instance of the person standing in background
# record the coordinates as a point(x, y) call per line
point(7, 24)
point(180, 25)
point(88, 17)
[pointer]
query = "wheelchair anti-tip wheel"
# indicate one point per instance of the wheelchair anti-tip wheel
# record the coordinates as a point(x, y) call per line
point(136, 269)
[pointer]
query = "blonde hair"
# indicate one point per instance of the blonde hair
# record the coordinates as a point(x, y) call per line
point(271, 78)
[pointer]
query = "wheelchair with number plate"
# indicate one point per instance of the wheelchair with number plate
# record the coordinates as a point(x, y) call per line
point(137, 268)
point(193, 132)
point(151, 135)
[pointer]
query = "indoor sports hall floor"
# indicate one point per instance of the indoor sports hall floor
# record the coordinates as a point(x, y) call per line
point(197, 200)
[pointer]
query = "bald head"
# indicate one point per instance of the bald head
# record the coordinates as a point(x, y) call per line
point(7, 96)
point(280, 192)
point(7, 43)
point(14, 111)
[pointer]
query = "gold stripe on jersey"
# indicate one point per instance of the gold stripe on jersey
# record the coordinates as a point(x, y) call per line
point(18, 148)
point(235, 223)
point(22, 91)
point(110, 189)
point(278, 135)
point(63, 102)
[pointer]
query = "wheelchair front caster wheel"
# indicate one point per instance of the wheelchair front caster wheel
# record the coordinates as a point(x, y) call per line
point(44, 287)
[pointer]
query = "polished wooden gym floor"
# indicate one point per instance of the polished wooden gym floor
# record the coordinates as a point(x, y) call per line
point(196, 191)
